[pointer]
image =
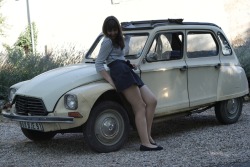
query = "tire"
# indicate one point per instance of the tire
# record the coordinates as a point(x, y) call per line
point(37, 135)
point(229, 111)
point(107, 127)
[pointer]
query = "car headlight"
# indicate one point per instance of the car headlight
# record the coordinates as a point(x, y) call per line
point(12, 93)
point(70, 101)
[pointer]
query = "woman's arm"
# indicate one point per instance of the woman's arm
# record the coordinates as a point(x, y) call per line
point(105, 50)
point(107, 77)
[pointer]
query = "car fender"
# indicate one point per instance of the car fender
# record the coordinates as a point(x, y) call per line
point(19, 84)
point(87, 96)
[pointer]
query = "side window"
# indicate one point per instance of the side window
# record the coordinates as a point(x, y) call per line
point(226, 49)
point(166, 46)
point(201, 44)
point(134, 44)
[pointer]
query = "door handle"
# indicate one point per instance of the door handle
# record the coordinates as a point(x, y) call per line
point(184, 68)
point(217, 66)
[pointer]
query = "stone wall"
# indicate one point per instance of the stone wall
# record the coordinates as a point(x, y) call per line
point(238, 18)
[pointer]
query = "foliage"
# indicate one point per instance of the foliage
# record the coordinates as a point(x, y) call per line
point(2, 21)
point(24, 39)
point(242, 51)
point(19, 66)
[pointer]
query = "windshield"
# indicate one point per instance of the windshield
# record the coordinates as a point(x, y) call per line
point(136, 44)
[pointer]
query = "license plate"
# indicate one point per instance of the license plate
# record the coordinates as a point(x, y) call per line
point(32, 126)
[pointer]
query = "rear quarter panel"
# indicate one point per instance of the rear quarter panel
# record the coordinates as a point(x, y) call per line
point(232, 82)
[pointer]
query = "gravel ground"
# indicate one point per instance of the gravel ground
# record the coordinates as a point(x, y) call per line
point(195, 141)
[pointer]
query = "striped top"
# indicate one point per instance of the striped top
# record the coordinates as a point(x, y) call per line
point(108, 53)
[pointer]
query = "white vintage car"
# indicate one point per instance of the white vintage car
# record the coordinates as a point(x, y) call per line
point(189, 66)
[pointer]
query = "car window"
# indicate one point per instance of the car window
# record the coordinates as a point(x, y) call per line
point(96, 48)
point(135, 43)
point(226, 49)
point(134, 46)
point(201, 44)
point(166, 46)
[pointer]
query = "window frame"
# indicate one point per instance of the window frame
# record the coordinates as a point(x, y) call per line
point(157, 35)
point(222, 45)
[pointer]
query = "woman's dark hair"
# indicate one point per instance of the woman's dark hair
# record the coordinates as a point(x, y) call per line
point(112, 23)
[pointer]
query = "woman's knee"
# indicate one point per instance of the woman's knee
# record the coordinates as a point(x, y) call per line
point(141, 106)
point(148, 97)
point(152, 101)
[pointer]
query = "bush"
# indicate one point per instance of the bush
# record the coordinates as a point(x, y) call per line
point(18, 66)
point(242, 50)
point(243, 54)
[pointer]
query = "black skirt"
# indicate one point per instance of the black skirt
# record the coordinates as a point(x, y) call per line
point(123, 75)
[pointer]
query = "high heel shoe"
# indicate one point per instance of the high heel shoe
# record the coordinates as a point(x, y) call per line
point(145, 148)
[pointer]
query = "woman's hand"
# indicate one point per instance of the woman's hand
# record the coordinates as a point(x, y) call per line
point(107, 77)
point(134, 66)
point(113, 85)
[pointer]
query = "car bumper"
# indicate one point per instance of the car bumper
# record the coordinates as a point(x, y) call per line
point(41, 119)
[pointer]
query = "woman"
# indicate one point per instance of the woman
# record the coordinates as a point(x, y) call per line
point(124, 80)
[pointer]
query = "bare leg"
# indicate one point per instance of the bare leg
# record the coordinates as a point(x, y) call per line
point(133, 95)
point(151, 102)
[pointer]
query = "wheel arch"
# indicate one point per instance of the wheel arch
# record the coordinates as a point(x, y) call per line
point(93, 94)
point(229, 111)
point(112, 95)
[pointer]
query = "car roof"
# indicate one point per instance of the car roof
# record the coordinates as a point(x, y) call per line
point(151, 24)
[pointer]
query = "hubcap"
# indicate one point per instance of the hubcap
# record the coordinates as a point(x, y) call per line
point(109, 127)
point(232, 107)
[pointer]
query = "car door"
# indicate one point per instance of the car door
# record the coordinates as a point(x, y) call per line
point(164, 72)
point(202, 58)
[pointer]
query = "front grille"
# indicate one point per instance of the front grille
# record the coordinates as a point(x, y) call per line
point(30, 106)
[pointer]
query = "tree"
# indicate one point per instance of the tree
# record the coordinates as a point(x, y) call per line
point(2, 21)
point(24, 39)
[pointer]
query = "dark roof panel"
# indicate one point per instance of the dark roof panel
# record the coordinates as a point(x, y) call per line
point(151, 24)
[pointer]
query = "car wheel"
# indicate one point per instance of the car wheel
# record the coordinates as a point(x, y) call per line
point(229, 111)
point(37, 135)
point(107, 127)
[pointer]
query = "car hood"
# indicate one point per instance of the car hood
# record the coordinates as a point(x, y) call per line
point(51, 85)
